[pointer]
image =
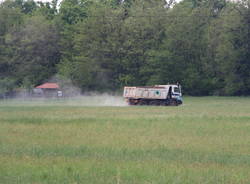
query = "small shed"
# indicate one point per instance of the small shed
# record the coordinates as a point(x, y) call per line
point(48, 90)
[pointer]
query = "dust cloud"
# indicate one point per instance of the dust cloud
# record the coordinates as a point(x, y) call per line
point(96, 100)
point(80, 100)
point(71, 96)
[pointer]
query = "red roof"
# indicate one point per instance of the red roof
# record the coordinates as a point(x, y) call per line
point(48, 86)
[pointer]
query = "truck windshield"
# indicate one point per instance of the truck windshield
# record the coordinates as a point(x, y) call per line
point(176, 90)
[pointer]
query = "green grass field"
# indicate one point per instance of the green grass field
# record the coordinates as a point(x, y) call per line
point(205, 141)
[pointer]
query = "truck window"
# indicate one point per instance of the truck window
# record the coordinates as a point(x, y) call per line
point(176, 90)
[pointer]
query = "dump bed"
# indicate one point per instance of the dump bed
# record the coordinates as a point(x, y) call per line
point(151, 92)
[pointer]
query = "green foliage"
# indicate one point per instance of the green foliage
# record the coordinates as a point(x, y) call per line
point(7, 25)
point(104, 45)
point(48, 10)
point(73, 11)
point(6, 85)
point(25, 6)
point(35, 50)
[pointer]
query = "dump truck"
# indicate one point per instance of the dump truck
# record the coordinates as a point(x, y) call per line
point(163, 95)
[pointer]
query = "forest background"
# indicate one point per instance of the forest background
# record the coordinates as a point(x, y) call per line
point(103, 45)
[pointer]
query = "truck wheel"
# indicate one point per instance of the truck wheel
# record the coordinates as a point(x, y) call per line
point(142, 102)
point(153, 102)
point(173, 103)
point(167, 102)
point(131, 102)
point(163, 103)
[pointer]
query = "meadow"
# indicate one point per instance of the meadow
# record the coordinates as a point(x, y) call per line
point(205, 141)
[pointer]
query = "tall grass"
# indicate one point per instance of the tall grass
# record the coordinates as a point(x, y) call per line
point(206, 140)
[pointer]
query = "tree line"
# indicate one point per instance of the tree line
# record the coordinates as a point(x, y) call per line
point(103, 45)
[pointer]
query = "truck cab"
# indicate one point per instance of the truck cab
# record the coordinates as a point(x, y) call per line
point(174, 93)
